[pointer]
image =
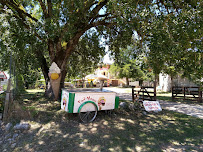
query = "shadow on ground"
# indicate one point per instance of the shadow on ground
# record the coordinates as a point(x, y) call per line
point(54, 130)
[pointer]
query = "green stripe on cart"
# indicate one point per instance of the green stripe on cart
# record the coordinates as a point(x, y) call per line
point(116, 102)
point(71, 102)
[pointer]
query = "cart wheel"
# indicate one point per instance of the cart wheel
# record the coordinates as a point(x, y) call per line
point(87, 111)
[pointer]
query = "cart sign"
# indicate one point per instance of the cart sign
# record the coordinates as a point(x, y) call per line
point(2, 75)
point(104, 101)
point(64, 102)
point(152, 106)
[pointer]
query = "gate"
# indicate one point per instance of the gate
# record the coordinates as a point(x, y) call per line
point(145, 93)
point(187, 93)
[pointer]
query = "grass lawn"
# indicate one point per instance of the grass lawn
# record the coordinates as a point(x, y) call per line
point(55, 130)
point(166, 96)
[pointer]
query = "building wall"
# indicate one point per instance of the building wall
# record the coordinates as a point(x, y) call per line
point(135, 83)
point(183, 82)
point(164, 82)
point(105, 71)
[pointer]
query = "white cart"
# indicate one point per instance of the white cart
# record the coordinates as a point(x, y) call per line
point(87, 102)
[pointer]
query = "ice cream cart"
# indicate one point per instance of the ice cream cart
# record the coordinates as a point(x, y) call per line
point(87, 102)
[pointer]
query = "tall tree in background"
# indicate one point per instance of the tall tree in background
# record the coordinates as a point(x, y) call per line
point(127, 65)
point(53, 29)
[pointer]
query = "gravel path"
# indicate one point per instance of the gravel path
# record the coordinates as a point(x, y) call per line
point(189, 109)
point(192, 110)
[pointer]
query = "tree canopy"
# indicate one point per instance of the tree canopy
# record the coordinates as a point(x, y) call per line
point(52, 31)
point(175, 42)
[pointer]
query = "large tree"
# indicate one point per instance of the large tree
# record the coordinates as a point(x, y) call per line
point(175, 42)
point(53, 28)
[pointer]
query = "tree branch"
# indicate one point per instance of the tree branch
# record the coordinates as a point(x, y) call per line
point(51, 49)
point(105, 16)
point(88, 4)
point(43, 8)
point(72, 41)
point(174, 6)
point(21, 19)
point(49, 8)
point(103, 23)
point(16, 7)
point(96, 10)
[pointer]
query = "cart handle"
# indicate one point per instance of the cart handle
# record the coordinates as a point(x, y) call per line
point(86, 103)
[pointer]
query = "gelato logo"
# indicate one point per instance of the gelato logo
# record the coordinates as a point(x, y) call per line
point(101, 102)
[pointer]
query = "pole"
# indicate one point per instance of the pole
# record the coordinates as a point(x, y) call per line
point(155, 90)
point(184, 92)
point(172, 93)
point(7, 100)
point(200, 94)
point(101, 84)
point(133, 97)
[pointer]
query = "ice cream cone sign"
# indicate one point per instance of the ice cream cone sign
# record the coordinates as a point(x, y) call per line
point(55, 78)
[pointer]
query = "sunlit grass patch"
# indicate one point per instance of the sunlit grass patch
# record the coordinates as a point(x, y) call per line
point(35, 90)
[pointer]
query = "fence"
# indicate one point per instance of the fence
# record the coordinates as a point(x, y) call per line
point(145, 93)
point(187, 93)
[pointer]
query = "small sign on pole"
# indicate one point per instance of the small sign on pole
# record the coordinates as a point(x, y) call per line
point(152, 106)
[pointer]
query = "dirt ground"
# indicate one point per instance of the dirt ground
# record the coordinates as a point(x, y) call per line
point(55, 130)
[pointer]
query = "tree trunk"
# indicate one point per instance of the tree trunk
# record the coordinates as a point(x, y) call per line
point(140, 82)
point(127, 82)
point(60, 56)
point(61, 61)
point(156, 80)
point(155, 84)
point(49, 91)
point(171, 83)
point(63, 76)
point(8, 102)
point(45, 71)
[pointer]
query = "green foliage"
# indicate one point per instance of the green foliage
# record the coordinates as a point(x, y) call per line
point(86, 57)
point(16, 50)
point(128, 70)
point(39, 33)
point(175, 42)
point(127, 66)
